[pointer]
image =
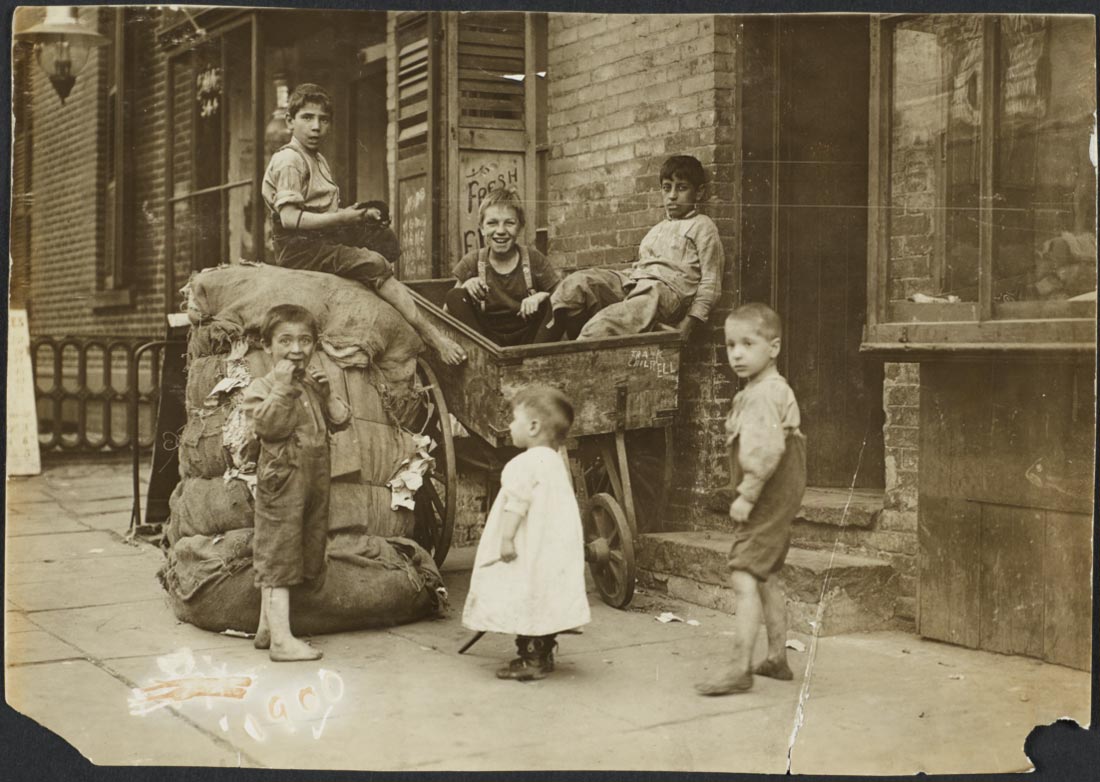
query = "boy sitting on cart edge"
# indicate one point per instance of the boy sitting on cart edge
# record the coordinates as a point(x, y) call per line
point(503, 289)
point(675, 280)
point(768, 475)
point(312, 231)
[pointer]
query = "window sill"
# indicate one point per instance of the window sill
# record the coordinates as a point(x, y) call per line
point(1026, 338)
point(112, 299)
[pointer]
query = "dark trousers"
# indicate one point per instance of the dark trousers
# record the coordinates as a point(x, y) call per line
point(505, 329)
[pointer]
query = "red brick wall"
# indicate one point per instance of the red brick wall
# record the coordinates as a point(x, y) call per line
point(625, 93)
point(901, 398)
point(68, 175)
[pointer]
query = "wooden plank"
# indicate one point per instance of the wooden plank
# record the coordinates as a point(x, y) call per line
point(478, 392)
point(479, 50)
point(507, 104)
point(497, 83)
point(466, 35)
point(1012, 588)
point(492, 122)
point(500, 140)
point(1067, 567)
point(949, 533)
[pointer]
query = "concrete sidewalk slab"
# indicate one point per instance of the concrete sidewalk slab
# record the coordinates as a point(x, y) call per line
point(69, 545)
point(402, 698)
point(87, 707)
point(36, 646)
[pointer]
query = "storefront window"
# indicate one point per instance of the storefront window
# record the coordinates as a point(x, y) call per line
point(1044, 215)
point(986, 161)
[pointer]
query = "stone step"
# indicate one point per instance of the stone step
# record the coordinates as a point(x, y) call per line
point(841, 507)
point(854, 593)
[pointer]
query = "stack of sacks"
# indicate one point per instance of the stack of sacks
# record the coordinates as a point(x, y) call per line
point(375, 576)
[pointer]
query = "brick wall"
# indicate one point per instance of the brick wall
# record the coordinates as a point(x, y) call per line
point(68, 176)
point(901, 398)
point(625, 93)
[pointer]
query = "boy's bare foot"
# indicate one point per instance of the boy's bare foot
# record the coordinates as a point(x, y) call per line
point(448, 349)
point(774, 669)
point(727, 682)
point(262, 639)
point(294, 650)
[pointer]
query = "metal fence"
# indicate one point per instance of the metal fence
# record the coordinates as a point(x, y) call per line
point(96, 394)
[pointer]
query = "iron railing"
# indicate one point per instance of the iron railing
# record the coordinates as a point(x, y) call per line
point(88, 389)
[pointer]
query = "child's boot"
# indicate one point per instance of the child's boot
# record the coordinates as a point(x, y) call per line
point(536, 659)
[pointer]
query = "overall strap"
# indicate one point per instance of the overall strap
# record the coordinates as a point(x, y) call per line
point(524, 263)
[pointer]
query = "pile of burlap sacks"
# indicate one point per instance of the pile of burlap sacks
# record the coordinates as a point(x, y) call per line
point(375, 575)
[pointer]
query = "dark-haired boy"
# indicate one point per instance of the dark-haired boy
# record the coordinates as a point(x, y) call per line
point(312, 231)
point(292, 409)
point(675, 279)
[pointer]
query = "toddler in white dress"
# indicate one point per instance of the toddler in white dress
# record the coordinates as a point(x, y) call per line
point(528, 577)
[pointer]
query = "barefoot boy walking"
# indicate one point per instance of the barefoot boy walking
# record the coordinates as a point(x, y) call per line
point(768, 473)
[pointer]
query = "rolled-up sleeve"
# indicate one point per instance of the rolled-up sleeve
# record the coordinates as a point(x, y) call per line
point(288, 176)
point(712, 263)
point(517, 487)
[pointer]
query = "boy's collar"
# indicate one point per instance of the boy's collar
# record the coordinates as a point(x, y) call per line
point(688, 216)
point(298, 145)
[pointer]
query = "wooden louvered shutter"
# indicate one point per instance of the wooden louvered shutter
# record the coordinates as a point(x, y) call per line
point(417, 166)
point(490, 107)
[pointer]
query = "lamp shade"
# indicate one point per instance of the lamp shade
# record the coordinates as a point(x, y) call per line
point(61, 46)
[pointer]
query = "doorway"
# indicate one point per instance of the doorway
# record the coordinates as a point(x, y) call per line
point(805, 91)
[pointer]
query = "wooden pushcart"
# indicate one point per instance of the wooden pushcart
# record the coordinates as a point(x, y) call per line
point(625, 391)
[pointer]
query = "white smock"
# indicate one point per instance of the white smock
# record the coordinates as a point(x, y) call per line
point(542, 590)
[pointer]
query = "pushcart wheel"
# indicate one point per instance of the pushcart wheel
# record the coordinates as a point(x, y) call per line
point(649, 455)
point(609, 549)
point(436, 500)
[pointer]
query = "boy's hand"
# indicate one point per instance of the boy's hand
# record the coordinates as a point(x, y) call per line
point(350, 215)
point(477, 289)
point(321, 379)
point(530, 305)
point(507, 550)
point(740, 509)
point(284, 371)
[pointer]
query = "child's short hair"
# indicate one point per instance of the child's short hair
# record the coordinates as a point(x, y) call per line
point(553, 408)
point(686, 167)
point(308, 93)
point(286, 313)
point(502, 196)
point(764, 317)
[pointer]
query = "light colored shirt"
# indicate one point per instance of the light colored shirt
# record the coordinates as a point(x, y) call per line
point(302, 178)
point(279, 410)
point(686, 255)
point(764, 413)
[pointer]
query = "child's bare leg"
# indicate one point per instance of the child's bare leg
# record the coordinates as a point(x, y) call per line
point(737, 675)
point(284, 646)
point(263, 632)
point(396, 294)
point(775, 620)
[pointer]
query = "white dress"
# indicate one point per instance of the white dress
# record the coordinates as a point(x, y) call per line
point(541, 591)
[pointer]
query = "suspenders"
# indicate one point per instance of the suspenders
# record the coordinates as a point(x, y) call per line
point(524, 262)
point(309, 173)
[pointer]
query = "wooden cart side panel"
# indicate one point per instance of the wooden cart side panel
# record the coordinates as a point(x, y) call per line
point(592, 379)
point(647, 366)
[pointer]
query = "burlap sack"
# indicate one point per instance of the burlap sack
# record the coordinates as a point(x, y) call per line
point(208, 506)
point(369, 582)
point(365, 509)
point(201, 453)
point(357, 327)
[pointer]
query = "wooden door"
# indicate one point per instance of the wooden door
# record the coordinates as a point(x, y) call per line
point(804, 229)
point(1005, 519)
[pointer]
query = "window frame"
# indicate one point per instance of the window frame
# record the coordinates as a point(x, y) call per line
point(113, 277)
point(962, 327)
point(181, 42)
